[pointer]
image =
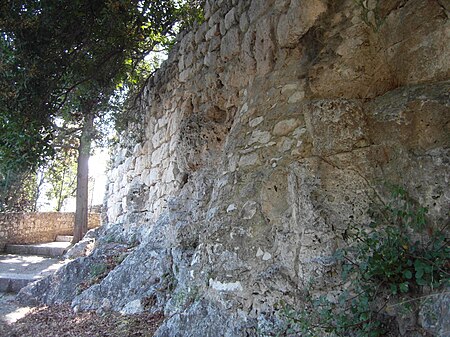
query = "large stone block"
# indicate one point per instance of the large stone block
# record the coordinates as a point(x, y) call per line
point(230, 45)
point(336, 126)
point(299, 18)
point(264, 45)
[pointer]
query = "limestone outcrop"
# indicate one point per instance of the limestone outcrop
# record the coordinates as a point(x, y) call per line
point(272, 127)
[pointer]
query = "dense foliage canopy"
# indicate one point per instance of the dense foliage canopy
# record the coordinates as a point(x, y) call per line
point(63, 59)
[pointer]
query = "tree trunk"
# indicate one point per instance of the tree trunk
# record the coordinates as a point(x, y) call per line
point(40, 181)
point(81, 209)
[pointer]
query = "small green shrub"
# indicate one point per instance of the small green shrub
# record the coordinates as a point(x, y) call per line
point(396, 257)
point(98, 269)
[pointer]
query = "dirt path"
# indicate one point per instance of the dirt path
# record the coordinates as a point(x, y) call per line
point(10, 311)
point(61, 321)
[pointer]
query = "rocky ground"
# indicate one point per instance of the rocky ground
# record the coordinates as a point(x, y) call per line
point(60, 320)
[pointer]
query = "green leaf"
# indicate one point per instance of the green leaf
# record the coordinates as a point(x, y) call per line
point(407, 274)
point(418, 265)
point(404, 287)
point(373, 225)
point(364, 316)
point(421, 282)
point(393, 288)
point(419, 274)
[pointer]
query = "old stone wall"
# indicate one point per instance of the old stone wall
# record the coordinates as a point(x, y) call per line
point(272, 128)
point(241, 58)
point(24, 228)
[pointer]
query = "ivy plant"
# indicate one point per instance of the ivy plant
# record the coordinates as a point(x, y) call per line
point(399, 258)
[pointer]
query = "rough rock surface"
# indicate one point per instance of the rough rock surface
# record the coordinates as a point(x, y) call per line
point(271, 128)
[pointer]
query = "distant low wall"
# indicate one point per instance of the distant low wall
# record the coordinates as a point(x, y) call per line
point(23, 228)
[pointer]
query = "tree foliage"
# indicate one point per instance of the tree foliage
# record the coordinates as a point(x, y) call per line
point(64, 59)
point(18, 191)
point(61, 176)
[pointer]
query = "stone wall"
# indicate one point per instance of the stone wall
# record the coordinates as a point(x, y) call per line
point(273, 127)
point(24, 228)
point(241, 64)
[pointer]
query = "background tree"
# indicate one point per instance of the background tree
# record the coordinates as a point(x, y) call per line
point(65, 59)
point(61, 175)
point(25, 137)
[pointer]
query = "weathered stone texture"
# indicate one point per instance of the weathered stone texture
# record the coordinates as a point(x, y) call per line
point(270, 129)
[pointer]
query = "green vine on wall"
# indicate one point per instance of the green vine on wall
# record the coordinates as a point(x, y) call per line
point(398, 261)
